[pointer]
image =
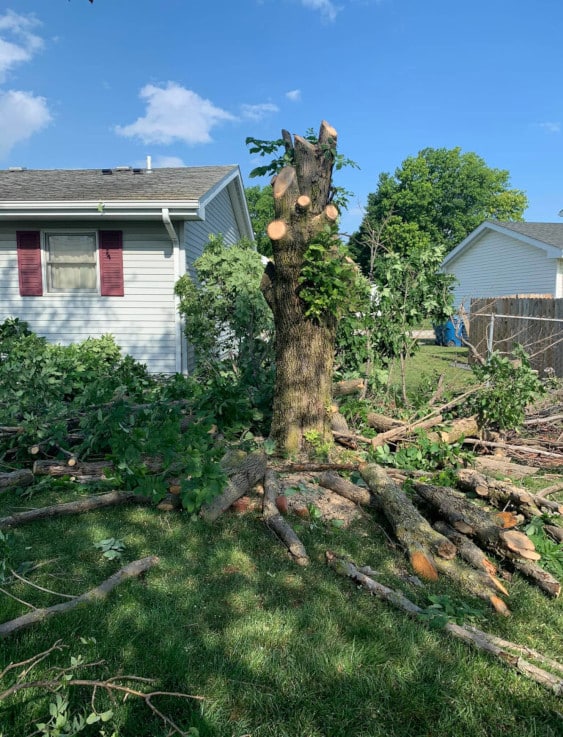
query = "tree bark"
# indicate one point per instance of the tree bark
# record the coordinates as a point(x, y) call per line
point(488, 528)
point(507, 652)
point(243, 475)
point(276, 522)
point(304, 346)
point(22, 477)
point(87, 504)
point(500, 493)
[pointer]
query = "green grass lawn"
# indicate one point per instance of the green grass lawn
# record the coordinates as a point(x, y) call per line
point(274, 650)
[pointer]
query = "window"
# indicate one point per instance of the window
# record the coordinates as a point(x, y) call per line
point(71, 262)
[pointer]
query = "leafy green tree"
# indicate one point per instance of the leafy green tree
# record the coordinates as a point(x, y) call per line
point(261, 208)
point(445, 192)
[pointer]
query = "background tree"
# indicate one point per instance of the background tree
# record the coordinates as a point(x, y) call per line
point(261, 209)
point(445, 192)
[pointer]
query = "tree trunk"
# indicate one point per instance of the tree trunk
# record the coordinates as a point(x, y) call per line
point(304, 346)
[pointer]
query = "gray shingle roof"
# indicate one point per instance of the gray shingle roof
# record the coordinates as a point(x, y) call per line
point(169, 184)
point(550, 233)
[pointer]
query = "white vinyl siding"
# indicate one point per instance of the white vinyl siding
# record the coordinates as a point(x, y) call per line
point(143, 322)
point(497, 265)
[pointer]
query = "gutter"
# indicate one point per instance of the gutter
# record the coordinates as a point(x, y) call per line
point(178, 271)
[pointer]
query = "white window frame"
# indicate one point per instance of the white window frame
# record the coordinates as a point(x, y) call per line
point(49, 290)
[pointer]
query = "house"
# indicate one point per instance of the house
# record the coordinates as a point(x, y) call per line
point(508, 258)
point(88, 252)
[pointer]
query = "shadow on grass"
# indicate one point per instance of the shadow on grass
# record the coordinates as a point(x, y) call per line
point(275, 650)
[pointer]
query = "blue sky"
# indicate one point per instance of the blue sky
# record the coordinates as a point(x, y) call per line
point(98, 85)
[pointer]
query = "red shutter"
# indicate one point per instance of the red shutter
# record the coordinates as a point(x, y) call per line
point(29, 263)
point(111, 263)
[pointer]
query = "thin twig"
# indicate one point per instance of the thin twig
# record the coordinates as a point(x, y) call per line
point(40, 588)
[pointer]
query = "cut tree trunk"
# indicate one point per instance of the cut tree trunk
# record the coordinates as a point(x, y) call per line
point(429, 552)
point(489, 528)
point(403, 431)
point(461, 428)
point(383, 423)
point(84, 468)
point(304, 346)
point(350, 386)
point(97, 594)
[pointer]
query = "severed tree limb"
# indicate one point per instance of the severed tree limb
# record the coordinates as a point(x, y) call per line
point(88, 504)
point(467, 549)
point(244, 474)
point(277, 523)
point(350, 386)
point(553, 489)
point(503, 650)
point(21, 477)
point(555, 532)
point(422, 543)
point(542, 578)
point(110, 685)
point(490, 529)
point(397, 433)
point(516, 448)
point(136, 568)
point(500, 493)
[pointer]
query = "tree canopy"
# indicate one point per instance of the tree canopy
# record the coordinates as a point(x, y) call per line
point(445, 192)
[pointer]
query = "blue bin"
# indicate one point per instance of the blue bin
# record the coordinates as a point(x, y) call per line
point(451, 332)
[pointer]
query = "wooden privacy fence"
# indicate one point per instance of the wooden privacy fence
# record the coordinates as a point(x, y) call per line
point(536, 323)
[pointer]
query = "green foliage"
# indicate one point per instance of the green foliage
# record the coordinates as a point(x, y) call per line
point(444, 609)
point(122, 414)
point(423, 454)
point(63, 723)
point(550, 551)
point(260, 202)
point(339, 196)
point(41, 385)
point(445, 192)
point(330, 283)
point(510, 384)
point(227, 319)
point(111, 548)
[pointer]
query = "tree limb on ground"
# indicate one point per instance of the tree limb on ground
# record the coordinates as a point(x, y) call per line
point(110, 685)
point(430, 552)
point(136, 568)
point(278, 524)
point(88, 504)
point(507, 652)
point(21, 477)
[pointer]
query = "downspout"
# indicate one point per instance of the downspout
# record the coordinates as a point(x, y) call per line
point(178, 327)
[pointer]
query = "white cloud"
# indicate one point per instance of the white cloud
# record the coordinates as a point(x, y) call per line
point(293, 95)
point(551, 127)
point(21, 115)
point(257, 112)
point(17, 41)
point(174, 113)
point(326, 7)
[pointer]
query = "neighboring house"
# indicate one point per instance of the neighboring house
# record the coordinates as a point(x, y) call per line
point(88, 252)
point(508, 258)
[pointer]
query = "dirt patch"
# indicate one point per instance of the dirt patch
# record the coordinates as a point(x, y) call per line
point(303, 496)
